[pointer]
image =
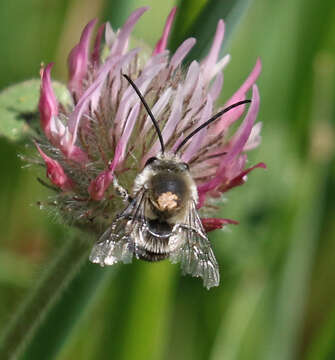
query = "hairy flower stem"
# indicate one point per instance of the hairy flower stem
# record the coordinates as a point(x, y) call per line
point(40, 301)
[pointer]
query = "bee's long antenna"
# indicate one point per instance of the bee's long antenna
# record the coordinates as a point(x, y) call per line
point(216, 116)
point(160, 137)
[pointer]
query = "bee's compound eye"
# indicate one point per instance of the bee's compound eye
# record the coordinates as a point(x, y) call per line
point(150, 161)
point(186, 166)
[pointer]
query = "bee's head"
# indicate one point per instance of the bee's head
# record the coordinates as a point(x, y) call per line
point(169, 184)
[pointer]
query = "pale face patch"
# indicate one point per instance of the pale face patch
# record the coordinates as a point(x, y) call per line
point(167, 201)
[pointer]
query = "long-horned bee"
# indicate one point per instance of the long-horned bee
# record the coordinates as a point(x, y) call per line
point(161, 219)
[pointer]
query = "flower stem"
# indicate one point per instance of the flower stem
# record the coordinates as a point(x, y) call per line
point(40, 301)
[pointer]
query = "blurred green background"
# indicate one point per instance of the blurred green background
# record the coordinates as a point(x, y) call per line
point(277, 294)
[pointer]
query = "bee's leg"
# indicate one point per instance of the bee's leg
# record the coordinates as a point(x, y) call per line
point(121, 190)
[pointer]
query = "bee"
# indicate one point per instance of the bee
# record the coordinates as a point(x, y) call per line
point(161, 219)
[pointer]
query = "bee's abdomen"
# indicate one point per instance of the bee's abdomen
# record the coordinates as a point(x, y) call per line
point(150, 256)
point(155, 244)
point(159, 229)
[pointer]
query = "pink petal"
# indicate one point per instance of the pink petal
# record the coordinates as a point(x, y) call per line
point(235, 167)
point(120, 44)
point(219, 66)
point(195, 103)
point(242, 134)
point(92, 91)
point(160, 58)
point(216, 87)
point(76, 154)
point(97, 44)
point(57, 129)
point(195, 143)
point(161, 44)
point(78, 60)
point(157, 109)
point(241, 178)
point(62, 139)
point(211, 59)
point(251, 79)
point(191, 78)
point(176, 144)
point(170, 125)
point(129, 97)
point(101, 183)
point(232, 116)
point(237, 144)
point(110, 35)
point(254, 138)
point(131, 120)
point(183, 91)
point(98, 186)
point(211, 224)
point(116, 77)
point(181, 52)
point(48, 105)
point(55, 172)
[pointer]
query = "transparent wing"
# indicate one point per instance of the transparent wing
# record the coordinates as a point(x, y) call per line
point(117, 243)
point(196, 255)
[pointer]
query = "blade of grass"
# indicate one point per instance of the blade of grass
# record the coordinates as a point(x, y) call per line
point(293, 289)
point(187, 12)
point(28, 36)
point(147, 325)
point(323, 347)
point(309, 200)
point(34, 310)
point(109, 315)
point(235, 322)
point(203, 27)
point(15, 270)
point(117, 11)
point(63, 320)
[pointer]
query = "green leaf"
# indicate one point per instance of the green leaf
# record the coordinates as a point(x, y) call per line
point(204, 26)
point(19, 107)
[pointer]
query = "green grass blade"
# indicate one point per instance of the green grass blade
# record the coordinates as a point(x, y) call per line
point(309, 204)
point(34, 310)
point(204, 25)
point(323, 348)
point(62, 320)
point(116, 12)
point(147, 324)
point(292, 295)
point(243, 304)
point(187, 12)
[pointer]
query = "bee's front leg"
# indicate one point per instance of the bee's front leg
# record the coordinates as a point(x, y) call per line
point(121, 190)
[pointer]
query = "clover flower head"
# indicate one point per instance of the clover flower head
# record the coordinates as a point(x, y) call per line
point(105, 132)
